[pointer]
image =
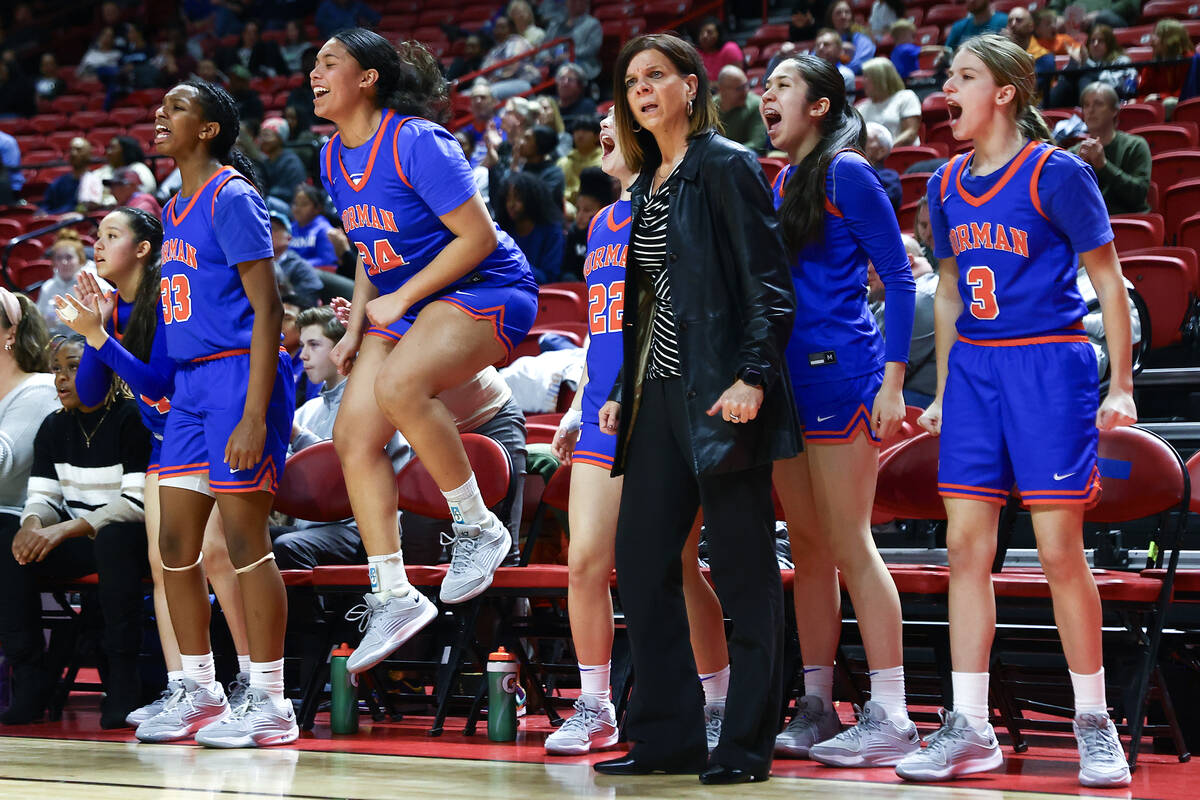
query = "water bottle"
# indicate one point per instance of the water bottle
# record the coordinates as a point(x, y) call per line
point(502, 696)
point(343, 708)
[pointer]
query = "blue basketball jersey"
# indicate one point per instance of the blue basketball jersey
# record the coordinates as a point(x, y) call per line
point(835, 337)
point(391, 191)
point(205, 237)
point(1015, 234)
point(154, 410)
point(604, 271)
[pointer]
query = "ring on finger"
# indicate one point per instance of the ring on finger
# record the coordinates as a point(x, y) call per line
point(734, 418)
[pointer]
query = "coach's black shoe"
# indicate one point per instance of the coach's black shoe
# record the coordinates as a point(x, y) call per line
point(719, 775)
point(633, 764)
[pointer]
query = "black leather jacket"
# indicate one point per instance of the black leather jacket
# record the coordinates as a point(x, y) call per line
point(731, 291)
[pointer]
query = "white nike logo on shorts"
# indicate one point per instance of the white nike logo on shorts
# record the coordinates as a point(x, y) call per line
point(1058, 477)
point(822, 419)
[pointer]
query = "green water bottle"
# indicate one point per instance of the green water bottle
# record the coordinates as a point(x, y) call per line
point(502, 696)
point(343, 707)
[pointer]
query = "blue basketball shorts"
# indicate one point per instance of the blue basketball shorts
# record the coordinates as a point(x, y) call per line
point(209, 398)
point(510, 309)
point(1021, 411)
point(838, 411)
point(595, 446)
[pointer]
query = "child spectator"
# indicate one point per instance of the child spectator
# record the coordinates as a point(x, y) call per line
point(534, 221)
point(290, 266)
point(310, 228)
point(906, 55)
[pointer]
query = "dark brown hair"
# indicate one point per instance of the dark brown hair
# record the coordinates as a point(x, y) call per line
point(639, 147)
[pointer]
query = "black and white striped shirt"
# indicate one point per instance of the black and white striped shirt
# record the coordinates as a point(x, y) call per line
point(650, 250)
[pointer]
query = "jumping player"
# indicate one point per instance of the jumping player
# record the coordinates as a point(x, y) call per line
point(1017, 397)
point(596, 495)
point(230, 420)
point(439, 294)
point(123, 337)
point(848, 384)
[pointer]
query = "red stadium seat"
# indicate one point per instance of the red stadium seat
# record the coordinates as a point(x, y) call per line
point(9, 228)
point(1168, 136)
point(1134, 34)
point(419, 494)
point(944, 15)
point(1176, 9)
point(1180, 201)
point(903, 157)
point(933, 108)
point(1135, 115)
point(1165, 284)
point(769, 34)
point(129, 116)
point(771, 168)
point(906, 216)
point(1187, 111)
point(1135, 231)
point(913, 186)
point(560, 305)
point(1171, 167)
point(312, 487)
point(1187, 255)
point(927, 35)
point(28, 274)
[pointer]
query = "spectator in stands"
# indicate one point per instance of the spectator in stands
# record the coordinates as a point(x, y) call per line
point(68, 257)
point(1020, 30)
point(1105, 55)
point(857, 46)
point(338, 15)
point(595, 193)
point(481, 173)
point(1045, 30)
point(889, 103)
point(470, 60)
point(483, 119)
point(249, 103)
point(138, 69)
point(738, 108)
point(63, 193)
point(1114, 13)
point(551, 11)
point(17, 95)
point(303, 279)
point(48, 84)
point(310, 228)
point(717, 51)
point(885, 14)
point(83, 514)
point(302, 96)
point(570, 83)
point(27, 395)
point(585, 133)
point(517, 77)
point(282, 170)
point(534, 220)
point(261, 57)
point(585, 31)
point(125, 186)
point(879, 147)
point(829, 46)
point(206, 69)
point(293, 47)
point(923, 232)
point(805, 22)
point(122, 151)
point(103, 56)
point(1171, 42)
point(174, 59)
point(980, 18)
point(521, 16)
point(920, 379)
point(111, 16)
point(906, 54)
point(12, 179)
point(1121, 160)
point(537, 157)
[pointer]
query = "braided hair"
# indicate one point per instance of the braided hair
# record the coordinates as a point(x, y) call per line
point(218, 106)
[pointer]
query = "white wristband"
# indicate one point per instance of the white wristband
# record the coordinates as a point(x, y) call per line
point(572, 420)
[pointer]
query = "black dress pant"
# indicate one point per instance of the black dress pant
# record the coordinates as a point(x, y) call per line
point(658, 505)
point(117, 555)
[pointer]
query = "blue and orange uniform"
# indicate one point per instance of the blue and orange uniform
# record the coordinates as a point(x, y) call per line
point(836, 354)
point(150, 380)
point(391, 191)
point(1021, 390)
point(207, 321)
point(604, 271)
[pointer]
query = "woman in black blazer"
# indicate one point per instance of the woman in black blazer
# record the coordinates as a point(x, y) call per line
point(702, 408)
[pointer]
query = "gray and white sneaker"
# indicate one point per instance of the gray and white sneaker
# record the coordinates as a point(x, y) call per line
point(476, 552)
point(875, 740)
point(587, 729)
point(954, 749)
point(1101, 760)
point(387, 624)
point(256, 722)
point(188, 710)
point(813, 723)
point(140, 715)
point(714, 719)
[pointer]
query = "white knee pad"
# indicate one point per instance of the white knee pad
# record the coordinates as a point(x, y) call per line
point(270, 556)
point(199, 559)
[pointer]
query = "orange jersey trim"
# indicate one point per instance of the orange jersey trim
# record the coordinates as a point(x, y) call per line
point(1000, 184)
point(605, 465)
point(1033, 181)
point(612, 213)
point(396, 151)
point(962, 496)
point(213, 209)
point(177, 220)
point(968, 487)
point(1056, 338)
point(493, 315)
point(356, 186)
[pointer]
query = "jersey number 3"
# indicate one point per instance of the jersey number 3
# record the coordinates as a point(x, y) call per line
point(606, 307)
point(176, 299)
point(983, 293)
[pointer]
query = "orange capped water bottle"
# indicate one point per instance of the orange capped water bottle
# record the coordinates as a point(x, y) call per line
point(502, 696)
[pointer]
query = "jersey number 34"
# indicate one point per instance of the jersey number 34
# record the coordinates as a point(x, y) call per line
point(606, 307)
point(983, 293)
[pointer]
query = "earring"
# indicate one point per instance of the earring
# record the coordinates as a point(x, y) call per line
point(636, 128)
point(8, 345)
point(689, 106)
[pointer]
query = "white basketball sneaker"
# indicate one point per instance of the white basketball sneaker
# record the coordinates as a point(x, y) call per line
point(476, 552)
point(256, 722)
point(387, 624)
point(813, 723)
point(875, 740)
point(954, 749)
point(587, 729)
point(1101, 760)
point(140, 715)
point(188, 710)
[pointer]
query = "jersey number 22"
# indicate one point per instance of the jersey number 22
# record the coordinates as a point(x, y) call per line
point(606, 307)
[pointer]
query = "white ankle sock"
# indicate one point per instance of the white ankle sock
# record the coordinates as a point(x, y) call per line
point(466, 503)
point(244, 663)
point(818, 681)
point(971, 697)
point(267, 676)
point(887, 689)
point(388, 577)
point(594, 683)
point(715, 685)
point(1089, 693)
point(174, 675)
point(200, 669)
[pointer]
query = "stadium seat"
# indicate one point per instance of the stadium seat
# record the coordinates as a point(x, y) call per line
point(933, 109)
point(771, 168)
point(1168, 136)
point(1135, 115)
point(1180, 201)
point(913, 186)
point(1134, 35)
point(903, 157)
point(47, 123)
point(1171, 167)
point(927, 35)
point(906, 216)
point(1165, 284)
point(1164, 9)
point(1187, 111)
point(944, 15)
point(312, 487)
point(769, 34)
point(560, 305)
point(129, 116)
point(1187, 255)
point(1135, 231)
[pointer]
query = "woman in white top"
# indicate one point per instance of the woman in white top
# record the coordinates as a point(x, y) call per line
point(521, 16)
point(883, 14)
point(889, 103)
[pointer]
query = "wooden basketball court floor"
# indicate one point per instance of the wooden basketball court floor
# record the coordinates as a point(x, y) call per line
point(400, 761)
